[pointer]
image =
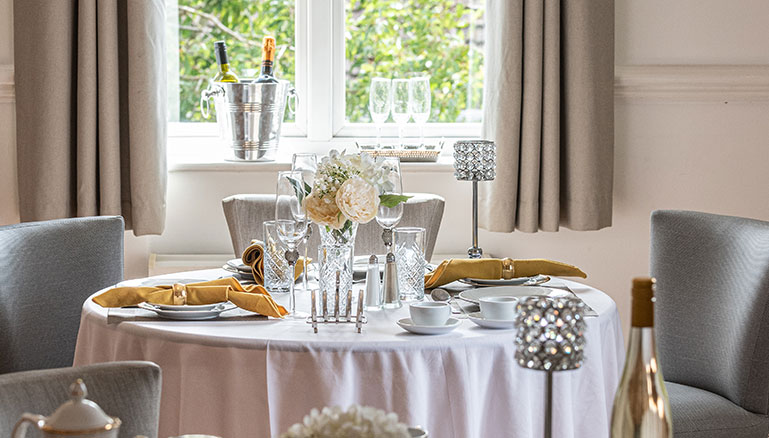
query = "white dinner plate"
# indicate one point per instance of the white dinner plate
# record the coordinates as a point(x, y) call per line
point(478, 318)
point(520, 281)
point(237, 265)
point(473, 295)
point(409, 326)
point(197, 315)
point(189, 307)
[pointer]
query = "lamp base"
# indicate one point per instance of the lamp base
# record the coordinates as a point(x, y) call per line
point(474, 252)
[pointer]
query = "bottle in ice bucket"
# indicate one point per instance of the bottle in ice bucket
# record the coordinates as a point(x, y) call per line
point(225, 74)
point(268, 62)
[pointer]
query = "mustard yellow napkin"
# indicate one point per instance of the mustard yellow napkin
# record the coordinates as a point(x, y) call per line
point(491, 269)
point(253, 256)
point(253, 298)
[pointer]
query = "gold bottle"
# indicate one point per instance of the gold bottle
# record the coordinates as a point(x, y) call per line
point(641, 407)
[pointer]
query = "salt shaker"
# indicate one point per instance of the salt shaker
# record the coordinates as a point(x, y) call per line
point(373, 289)
point(390, 284)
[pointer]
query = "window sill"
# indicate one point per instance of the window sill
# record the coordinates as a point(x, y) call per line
point(206, 154)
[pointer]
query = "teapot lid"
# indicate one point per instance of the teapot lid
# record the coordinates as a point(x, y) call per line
point(79, 414)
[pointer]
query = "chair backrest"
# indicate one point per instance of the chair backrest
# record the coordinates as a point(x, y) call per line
point(246, 213)
point(47, 270)
point(127, 390)
point(712, 308)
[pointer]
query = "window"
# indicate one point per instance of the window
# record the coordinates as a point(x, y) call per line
point(330, 50)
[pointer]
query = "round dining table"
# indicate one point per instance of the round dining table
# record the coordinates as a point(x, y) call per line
point(244, 375)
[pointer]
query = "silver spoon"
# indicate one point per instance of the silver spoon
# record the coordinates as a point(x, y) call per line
point(439, 294)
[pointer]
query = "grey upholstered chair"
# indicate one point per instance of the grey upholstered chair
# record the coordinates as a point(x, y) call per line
point(712, 322)
point(127, 390)
point(245, 214)
point(47, 270)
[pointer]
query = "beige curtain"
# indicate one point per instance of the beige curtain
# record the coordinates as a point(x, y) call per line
point(549, 106)
point(91, 110)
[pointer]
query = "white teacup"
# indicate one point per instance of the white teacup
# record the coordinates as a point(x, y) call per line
point(498, 308)
point(430, 313)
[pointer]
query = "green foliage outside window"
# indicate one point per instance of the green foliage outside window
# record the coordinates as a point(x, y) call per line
point(388, 38)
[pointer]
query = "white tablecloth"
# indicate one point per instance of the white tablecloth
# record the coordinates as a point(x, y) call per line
point(246, 376)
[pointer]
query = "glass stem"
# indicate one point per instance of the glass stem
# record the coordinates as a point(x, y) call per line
point(292, 296)
point(304, 265)
point(421, 134)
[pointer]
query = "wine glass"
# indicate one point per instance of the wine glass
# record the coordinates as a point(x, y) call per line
point(400, 105)
point(379, 96)
point(388, 217)
point(419, 102)
point(307, 163)
point(291, 223)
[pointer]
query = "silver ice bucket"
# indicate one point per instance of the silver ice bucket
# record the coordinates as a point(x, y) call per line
point(249, 115)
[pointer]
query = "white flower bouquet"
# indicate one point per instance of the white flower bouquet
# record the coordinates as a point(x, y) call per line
point(355, 422)
point(349, 188)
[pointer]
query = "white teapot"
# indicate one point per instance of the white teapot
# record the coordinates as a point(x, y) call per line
point(77, 418)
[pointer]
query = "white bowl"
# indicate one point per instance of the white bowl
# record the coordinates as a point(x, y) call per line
point(429, 313)
point(498, 308)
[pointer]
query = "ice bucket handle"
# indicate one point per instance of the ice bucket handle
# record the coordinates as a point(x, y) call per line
point(206, 95)
point(293, 100)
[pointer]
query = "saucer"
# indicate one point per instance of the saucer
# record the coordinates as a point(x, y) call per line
point(477, 318)
point(409, 326)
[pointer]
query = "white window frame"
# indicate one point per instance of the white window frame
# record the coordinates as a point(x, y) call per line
point(320, 43)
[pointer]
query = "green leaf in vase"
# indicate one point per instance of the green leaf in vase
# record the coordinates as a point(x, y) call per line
point(390, 200)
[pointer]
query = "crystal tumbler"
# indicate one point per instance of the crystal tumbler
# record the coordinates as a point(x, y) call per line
point(410, 261)
point(277, 277)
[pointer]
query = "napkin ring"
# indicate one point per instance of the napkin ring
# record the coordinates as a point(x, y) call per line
point(179, 294)
point(508, 269)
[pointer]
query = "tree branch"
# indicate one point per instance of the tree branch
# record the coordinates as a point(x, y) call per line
point(216, 22)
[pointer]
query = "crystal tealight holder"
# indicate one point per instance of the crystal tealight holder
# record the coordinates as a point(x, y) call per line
point(475, 160)
point(550, 337)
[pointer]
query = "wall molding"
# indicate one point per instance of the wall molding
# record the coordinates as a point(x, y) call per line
point(673, 83)
point(7, 90)
point(692, 83)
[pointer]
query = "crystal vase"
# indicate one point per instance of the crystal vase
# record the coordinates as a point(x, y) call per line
point(336, 254)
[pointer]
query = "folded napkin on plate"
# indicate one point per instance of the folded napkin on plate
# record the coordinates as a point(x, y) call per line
point(253, 298)
point(492, 269)
point(253, 256)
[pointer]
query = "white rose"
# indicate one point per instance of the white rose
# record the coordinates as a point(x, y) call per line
point(358, 200)
point(323, 213)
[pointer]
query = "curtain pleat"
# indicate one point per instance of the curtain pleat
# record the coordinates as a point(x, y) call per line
point(90, 88)
point(548, 105)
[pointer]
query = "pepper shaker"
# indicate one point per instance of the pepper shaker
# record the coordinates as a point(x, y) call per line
point(390, 284)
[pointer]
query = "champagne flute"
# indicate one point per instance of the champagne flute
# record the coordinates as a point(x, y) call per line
point(307, 163)
point(379, 96)
point(419, 103)
point(400, 105)
point(388, 217)
point(291, 223)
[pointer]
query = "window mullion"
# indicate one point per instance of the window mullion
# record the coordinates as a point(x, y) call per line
point(320, 57)
point(338, 67)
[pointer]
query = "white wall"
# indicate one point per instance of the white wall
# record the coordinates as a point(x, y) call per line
point(701, 143)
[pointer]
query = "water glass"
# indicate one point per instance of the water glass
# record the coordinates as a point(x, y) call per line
point(277, 277)
point(401, 110)
point(388, 217)
point(410, 245)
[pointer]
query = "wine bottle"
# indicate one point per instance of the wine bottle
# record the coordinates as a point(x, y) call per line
point(641, 408)
point(225, 74)
point(268, 62)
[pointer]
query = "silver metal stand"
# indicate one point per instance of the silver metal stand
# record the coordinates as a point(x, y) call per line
point(549, 406)
point(475, 252)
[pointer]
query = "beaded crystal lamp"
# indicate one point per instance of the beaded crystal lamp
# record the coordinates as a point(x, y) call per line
point(475, 160)
point(550, 338)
